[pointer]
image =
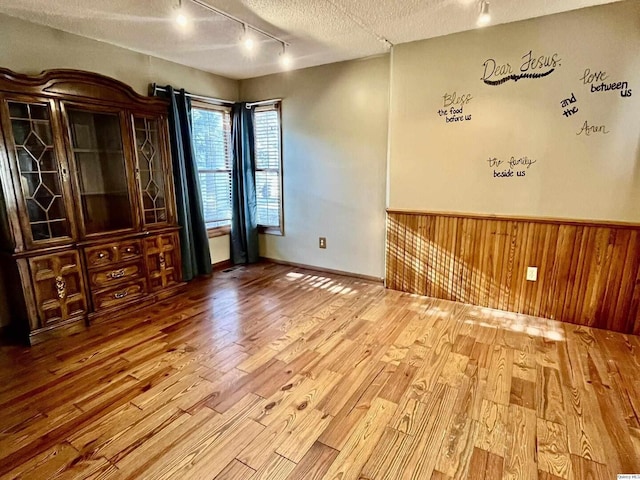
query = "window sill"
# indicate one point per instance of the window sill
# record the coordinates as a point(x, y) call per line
point(218, 231)
point(226, 230)
point(271, 231)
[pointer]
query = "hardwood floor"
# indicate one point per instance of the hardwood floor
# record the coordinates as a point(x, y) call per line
point(272, 372)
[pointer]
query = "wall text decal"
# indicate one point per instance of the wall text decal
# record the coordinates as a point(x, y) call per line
point(589, 129)
point(510, 172)
point(496, 74)
point(569, 101)
point(603, 87)
point(453, 106)
point(454, 115)
point(588, 78)
point(455, 99)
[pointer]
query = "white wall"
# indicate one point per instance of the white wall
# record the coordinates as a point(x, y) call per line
point(30, 48)
point(220, 249)
point(440, 166)
point(334, 126)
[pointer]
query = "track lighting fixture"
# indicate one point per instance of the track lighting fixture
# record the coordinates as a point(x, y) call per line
point(248, 41)
point(180, 16)
point(249, 37)
point(485, 17)
point(285, 58)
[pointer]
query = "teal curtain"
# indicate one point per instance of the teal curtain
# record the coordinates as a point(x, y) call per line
point(244, 225)
point(194, 241)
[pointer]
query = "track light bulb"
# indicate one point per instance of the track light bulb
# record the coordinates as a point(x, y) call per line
point(181, 19)
point(180, 16)
point(485, 17)
point(285, 58)
point(248, 42)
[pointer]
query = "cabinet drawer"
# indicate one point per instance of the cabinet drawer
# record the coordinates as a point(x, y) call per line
point(129, 250)
point(102, 256)
point(119, 295)
point(115, 275)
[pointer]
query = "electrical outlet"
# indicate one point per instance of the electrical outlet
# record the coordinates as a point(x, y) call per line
point(532, 274)
point(322, 242)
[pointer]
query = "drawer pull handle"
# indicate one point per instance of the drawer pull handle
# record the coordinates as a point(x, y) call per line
point(163, 262)
point(101, 255)
point(117, 274)
point(119, 295)
point(128, 250)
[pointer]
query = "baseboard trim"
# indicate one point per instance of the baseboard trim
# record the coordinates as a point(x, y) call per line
point(324, 270)
point(222, 265)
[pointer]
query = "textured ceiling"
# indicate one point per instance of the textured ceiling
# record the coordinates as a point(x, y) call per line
point(319, 31)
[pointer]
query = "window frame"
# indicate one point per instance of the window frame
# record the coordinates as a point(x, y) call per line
point(221, 230)
point(273, 229)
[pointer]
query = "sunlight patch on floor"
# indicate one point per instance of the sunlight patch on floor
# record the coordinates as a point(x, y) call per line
point(535, 327)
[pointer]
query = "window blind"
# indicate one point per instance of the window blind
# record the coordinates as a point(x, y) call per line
point(212, 149)
point(268, 165)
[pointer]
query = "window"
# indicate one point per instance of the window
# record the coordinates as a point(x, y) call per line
point(268, 153)
point(212, 149)
point(211, 127)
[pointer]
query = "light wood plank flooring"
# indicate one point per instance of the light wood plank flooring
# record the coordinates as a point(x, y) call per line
point(272, 372)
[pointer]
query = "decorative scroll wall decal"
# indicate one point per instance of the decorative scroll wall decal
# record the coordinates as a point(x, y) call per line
point(516, 77)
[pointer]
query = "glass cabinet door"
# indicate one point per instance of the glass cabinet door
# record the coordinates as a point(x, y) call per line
point(41, 172)
point(97, 145)
point(151, 170)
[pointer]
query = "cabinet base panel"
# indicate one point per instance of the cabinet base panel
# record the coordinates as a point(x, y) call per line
point(171, 291)
point(11, 334)
point(68, 328)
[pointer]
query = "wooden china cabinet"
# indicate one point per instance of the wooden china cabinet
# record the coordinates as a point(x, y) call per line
point(87, 207)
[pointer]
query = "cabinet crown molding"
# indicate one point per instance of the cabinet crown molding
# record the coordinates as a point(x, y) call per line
point(69, 83)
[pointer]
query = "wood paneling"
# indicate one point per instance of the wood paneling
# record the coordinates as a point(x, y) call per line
point(588, 273)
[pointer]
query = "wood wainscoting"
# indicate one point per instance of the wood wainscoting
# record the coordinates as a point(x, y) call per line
point(588, 272)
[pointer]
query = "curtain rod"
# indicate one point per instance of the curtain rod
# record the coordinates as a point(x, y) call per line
point(264, 102)
point(156, 89)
